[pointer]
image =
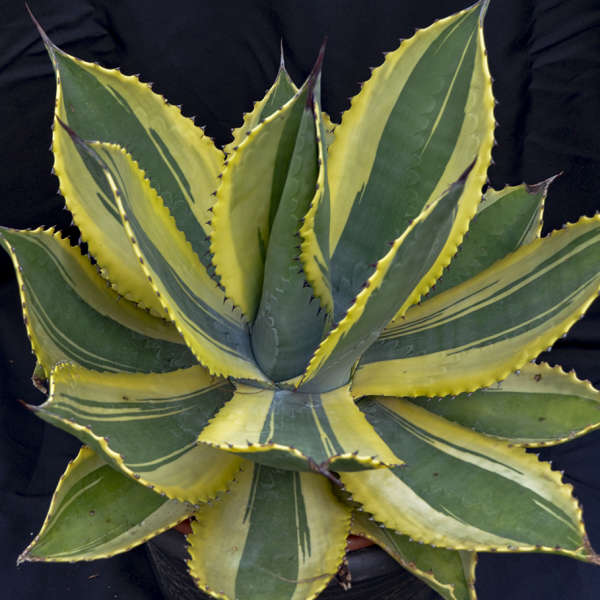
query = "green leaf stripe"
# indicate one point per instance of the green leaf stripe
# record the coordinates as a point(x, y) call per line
point(72, 315)
point(182, 163)
point(538, 405)
point(118, 414)
point(477, 333)
point(505, 220)
point(288, 327)
point(432, 99)
point(232, 554)
point(292, 430)
point(514, 503)
point(215, 333)
point(97, 512)
point(399, 279)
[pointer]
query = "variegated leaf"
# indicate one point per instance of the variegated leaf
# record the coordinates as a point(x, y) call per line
point(182, 163)
point(282, 90)
point(248, 198)
point(489, 326)
point(505, 220)
point(97, 512)
point(279, 535)
point(292, 430)
point(216, 334)
point(146, 425)
point(451, 573)
point(288, 327)
point(536, 406)
point(72, 315)
point(462, 490)
point(414, 262)
point(416, 125)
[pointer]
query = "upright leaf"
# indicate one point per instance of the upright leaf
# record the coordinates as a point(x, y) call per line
point(288, 327)
point(416, 125)
point(409, 268)
point(216, 334)
point(182, 163)
point(248, 199)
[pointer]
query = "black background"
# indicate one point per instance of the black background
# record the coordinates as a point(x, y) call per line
point(215, 58)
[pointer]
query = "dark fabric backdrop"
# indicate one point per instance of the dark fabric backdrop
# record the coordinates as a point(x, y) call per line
point(215, 58)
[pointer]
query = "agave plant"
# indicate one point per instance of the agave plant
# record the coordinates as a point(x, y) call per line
point(272, 339)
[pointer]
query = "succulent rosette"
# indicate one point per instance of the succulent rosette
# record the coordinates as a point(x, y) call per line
point(301, 312)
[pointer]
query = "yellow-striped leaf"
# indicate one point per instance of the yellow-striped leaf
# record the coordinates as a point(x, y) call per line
point(414, 262)
point(462, 490)
point(288, 327)
point(146, 425)
point(282, 90)
point(482, 330)
point(505, 220)
point(416, 125)
point(539, 405)
point(315, 228)
point(279, 535)
point(216, 334)
point(248, 198)
point(182, 163)
point(97, 512)
point(292, 430)
point(72, 315)
point(451, 573)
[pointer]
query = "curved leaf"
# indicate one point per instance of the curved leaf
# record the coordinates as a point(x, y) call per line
point(146, 425)
point(279, 535)
point(462, 490)
point(72, 315)
point(416, 125)
point(536, 406)
point(505, 220)
point(451, 573)
point(291, 430)
point(97, 512)
point(182, 163)
point(479, 332)
point(414, 262)
point(215, 333)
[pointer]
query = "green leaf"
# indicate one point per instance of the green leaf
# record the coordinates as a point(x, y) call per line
point(282, 90)
point(216, 334)
point(414, 262)
point(462, 490)
point(491, 325)
point(182, 163)
point(248, 198)
point(416, 125)
point(72, 315)
point(505, 220)
point(288, 327)
point(291, 430)
point(278, 535)
point(146, 425)
point(97, 512)
point(536, 406)
point(451, 573)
